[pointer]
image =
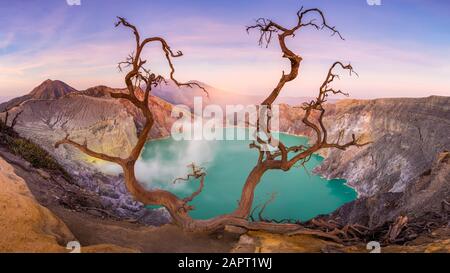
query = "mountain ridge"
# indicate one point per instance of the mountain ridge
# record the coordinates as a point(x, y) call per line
point(169, 92)
point(47, 90)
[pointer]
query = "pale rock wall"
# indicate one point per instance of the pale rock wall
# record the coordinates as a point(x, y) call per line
point(26, 226)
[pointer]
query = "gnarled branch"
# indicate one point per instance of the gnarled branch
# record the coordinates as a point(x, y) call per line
point(84, 148)
point(195, 173)
point(268, 160)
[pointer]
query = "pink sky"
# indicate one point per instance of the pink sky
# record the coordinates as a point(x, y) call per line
point(222, 55)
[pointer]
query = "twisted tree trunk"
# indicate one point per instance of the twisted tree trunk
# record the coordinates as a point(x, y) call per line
point(179, 208)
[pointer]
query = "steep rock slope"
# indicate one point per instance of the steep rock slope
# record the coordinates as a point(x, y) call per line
point(107, 125)
point(426, 198)
point(103, 123)
point(25, 225)
point(406, 135)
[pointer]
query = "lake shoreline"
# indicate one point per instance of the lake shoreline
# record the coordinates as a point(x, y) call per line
point(161, 161)
point(289, 134)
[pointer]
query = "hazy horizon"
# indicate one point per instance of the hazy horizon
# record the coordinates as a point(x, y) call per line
point(395, 53)
point(283, 97)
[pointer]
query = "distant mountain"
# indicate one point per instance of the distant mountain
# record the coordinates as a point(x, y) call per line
point(3, 99)
point(185, 95)
point(294, 101)
point(100, 91)
point(55, 89)
point(48, 90)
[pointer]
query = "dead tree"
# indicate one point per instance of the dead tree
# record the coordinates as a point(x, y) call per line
point(283, 158)
point(14, 120)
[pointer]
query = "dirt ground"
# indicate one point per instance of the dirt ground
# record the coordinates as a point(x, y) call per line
point(90, 230)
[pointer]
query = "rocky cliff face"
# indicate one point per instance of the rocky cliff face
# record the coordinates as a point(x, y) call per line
point(107, 125)
point(24, 224)
point(27, 226)
point(103, 123)
point(425, 198)
point(406, 135)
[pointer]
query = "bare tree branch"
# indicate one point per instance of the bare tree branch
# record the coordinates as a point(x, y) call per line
point(267, 160)
point(83, 147)
point(264, 206)
point(195, 173)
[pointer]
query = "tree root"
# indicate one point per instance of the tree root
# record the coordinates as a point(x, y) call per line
point(327, 235)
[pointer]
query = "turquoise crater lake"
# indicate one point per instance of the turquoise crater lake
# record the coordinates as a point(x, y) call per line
point(300, 194)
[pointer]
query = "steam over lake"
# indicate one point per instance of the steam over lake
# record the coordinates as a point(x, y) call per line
point(299, 193)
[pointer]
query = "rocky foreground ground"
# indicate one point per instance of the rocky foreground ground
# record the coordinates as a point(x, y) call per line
point(28, 226)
